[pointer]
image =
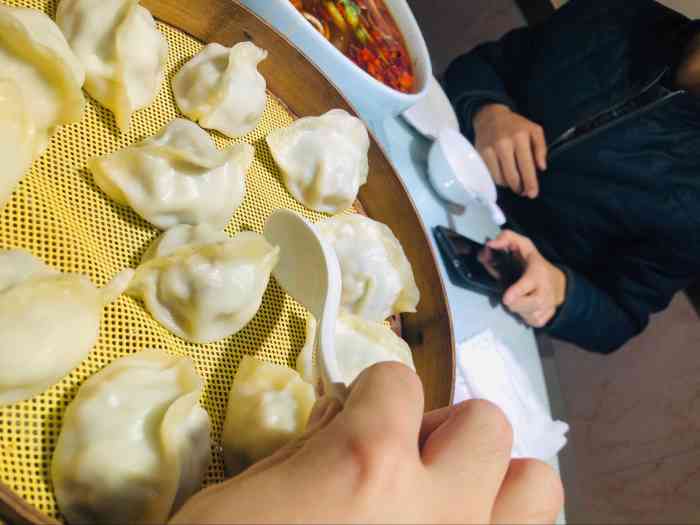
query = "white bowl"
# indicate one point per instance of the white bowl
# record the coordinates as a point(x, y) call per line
point(371, 98)
point(459, 175)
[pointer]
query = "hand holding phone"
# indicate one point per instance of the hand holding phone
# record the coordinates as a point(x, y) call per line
point(541, 290)
point(478, 267)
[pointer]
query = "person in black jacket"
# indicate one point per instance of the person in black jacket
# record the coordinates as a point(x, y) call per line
point(590, 126)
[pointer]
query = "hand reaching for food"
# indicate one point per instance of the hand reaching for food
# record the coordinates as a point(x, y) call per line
point(541, 289)
point(380, 459)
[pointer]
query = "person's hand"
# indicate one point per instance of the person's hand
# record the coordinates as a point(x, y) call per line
point(379, 459)
point(541, 289)
point(512, 147)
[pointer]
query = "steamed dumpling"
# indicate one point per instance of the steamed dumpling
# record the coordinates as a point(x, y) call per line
point(123, 53)
point(35, 57)
point(40, 88)
point(134, 443)
point(221, 89)
point(177, 177)
point(49, 323)
point(206, 292)
point(323, 159)
point(377, 278)
point(182, 235)
point(359, 344)
point(269, 405)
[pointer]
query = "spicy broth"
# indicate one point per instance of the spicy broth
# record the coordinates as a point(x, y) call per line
point(365, 32)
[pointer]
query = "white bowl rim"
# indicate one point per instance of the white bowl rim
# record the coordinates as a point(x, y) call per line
point(460, 154)
point(421, 55)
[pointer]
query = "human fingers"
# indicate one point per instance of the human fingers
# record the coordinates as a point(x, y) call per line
point(484, 256)
point(470, 452)
point(526, 306)
point(539, 146)
point(324, 411)
point(433, 419)
point(509, 240)
point(505, 151)
point(531, 493)
point(491, 160)
point(525, 286)
point(526, 166)
point(378, 424)
point(540, 318)
point(506, 240)
point(384, 403)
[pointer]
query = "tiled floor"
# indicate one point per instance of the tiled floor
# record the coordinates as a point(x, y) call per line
point(634, 452)
point(635, 424)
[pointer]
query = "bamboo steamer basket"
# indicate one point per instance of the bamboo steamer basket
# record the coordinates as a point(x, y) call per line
point(62, 217)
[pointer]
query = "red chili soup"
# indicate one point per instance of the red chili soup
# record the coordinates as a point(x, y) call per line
point(365, 32)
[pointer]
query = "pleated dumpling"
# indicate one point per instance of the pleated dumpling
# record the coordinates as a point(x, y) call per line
point(359, 344)
point(269, 406)
point(177, 177)
point(134, 443)
point(182, 235)
point(221, 88)
point(123, 52)
point(206, 292)
point(377, 278)
point(49, 323)
point(323, 159)
point(40, 88)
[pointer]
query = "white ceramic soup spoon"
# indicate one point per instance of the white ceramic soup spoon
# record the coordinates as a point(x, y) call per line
point(308, 270)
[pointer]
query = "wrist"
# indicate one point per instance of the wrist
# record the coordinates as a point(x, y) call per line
point(487, 111)
point(559, 286)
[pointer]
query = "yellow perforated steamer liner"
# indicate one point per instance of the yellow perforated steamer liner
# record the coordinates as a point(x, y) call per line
point(62, 217)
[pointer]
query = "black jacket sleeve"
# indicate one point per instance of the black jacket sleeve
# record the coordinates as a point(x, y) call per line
point(500, 72)
point(601, 313)
point(489, 74)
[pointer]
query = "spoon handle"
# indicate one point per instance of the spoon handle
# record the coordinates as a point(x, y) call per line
point(327, 361)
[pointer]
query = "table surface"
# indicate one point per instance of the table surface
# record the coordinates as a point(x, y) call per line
point(472, 313)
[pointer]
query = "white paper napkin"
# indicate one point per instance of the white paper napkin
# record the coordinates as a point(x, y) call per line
point(486, 369)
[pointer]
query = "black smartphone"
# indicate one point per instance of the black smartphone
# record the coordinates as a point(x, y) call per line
point(476, 266)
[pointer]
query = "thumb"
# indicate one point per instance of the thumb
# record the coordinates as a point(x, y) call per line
point(523, 287)
point(324, 410)
point(506, 240)
point(500, 243)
